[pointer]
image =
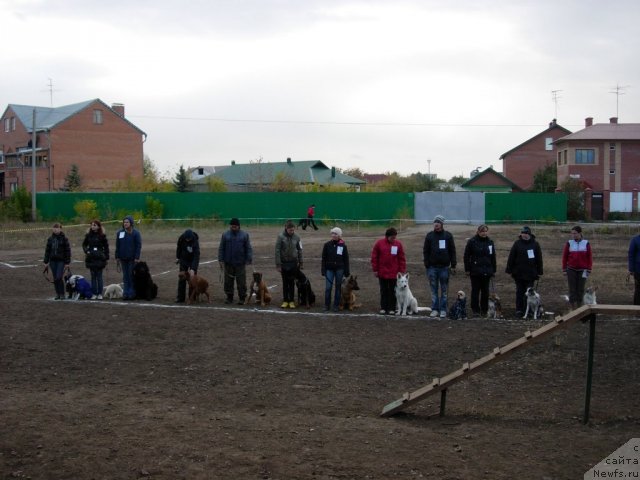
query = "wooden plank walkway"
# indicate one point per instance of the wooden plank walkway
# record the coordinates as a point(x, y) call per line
point(499, 353)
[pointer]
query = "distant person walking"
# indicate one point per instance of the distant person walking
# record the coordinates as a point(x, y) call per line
point(96, 249)
point(577, 262)
point(387, 260)
point(311, 211)
point(188, 258)
point(634, 266)
point(524, 265)
point(335, 267)
point(288, 255)
point(57, 257)
point(439, 254)
point(128, 248)
point(480, 266)
point(234, 254)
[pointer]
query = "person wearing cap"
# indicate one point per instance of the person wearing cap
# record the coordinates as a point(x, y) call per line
point(577, 262)
point(188, 259)
point(334, 267)
point(634, 266)
point(387, 260)
point(288, 255)
point(524, 265)
point(439, 255)
point(128, 248)
point(234, 253)
point(480, 266)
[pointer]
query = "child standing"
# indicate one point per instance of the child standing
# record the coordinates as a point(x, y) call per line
point(96, 249)
point(57, 257)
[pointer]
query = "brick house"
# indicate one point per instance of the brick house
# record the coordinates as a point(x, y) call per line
point(521, 163)
point(105, 146)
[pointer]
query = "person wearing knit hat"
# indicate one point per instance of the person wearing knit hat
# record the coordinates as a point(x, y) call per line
point(128, 248)
point(288, 255)
point(439, 255)
point(234, 254)
point(387, 260)
point(334, 267)
point(524, 265)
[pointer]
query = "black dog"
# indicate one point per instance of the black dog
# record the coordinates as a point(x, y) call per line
point(143, 283)
point(303, 223)
point(306, 296)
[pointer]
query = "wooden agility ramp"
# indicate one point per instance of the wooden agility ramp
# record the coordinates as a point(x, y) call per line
point(586, 312)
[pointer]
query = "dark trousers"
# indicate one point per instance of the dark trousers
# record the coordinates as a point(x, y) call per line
point(387, 294)
point(636, 292)
point(521, 290)
point(576, 286)
point(239, 274)
point(310, 222)
point(97, 283)
point(182, 284)
point(288, 285)
point(56, 267)
point(480, 293)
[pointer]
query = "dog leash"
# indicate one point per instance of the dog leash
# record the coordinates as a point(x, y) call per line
point(47, 276)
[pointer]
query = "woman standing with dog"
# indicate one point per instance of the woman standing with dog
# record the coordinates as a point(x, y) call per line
point(480, 266)
point(188, 259)
point(128, 248)
point(57, 257)
point(288, 262)
point(96, 249)
point(335, 267)
point(576, 265)
point(524, 265)
point(387, 260)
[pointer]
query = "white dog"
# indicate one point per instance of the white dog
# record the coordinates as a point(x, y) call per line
point(406, 302)
point(589, 297)
point(534, 303)
point(113, 291)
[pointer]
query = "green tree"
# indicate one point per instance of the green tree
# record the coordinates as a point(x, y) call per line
point(215, 184)
point(73, 181)
point(545, 179)
point(181, 181)
point(355, 172)
point(458, 180)
point(17, 206)
point(575, 199)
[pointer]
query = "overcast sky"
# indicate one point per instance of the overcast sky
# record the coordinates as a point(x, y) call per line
point(379, 85)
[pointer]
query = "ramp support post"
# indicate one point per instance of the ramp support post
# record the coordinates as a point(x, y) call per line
point(443, 401)
point(592, 339)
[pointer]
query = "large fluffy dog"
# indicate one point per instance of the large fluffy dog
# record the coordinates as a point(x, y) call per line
point(112, 291)
point(458, 310)
point(534, 304)
point(198, 286)
point(347, 293)
point(260, 289)
point(79, 287)
point(143, 283)
point(406, 303)
point(306, 296)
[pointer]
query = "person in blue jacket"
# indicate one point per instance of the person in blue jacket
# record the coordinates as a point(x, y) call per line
point(234, 253)
point(128, 247)
point(634, 266)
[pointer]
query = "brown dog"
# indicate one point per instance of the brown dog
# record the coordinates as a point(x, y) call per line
point(197, 286)
point(259, 287)
point(347, 295)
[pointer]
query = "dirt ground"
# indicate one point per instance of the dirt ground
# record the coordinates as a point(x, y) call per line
point(127, 390)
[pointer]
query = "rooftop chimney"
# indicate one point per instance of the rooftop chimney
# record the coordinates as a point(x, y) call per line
point(613, 120)
point(288, 159)
point(118, 108)
point(588, 122)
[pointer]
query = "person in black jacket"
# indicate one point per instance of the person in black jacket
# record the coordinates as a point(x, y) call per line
point(188, 259)
point(439, 253)
point(96, 249)
point(335, 267)
point(57, 257)
point(524, 265)
point(480, 266)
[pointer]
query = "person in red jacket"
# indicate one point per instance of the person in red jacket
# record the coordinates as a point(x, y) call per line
point(576, 265)
point(387, 260)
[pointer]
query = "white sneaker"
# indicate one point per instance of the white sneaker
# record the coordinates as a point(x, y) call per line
point(443, 314)
point(382, 312)
point(434, 313)
point(94, 297)
point(99, 297)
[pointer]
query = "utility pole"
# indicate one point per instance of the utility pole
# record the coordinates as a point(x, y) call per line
point(33, 167)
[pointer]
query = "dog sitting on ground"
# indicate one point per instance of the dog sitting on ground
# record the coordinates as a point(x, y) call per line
point(112, 291)
point(259, 289)
point(143, 283)
point(347, 293)
point(495, 307)
point(406, 303)
point(534, 304)
point(80, 288)
point(198, 286)
point(589, 297)
point(458, 310)
point(306, 296)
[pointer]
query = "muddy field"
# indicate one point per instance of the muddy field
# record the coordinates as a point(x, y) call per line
point(126, 390)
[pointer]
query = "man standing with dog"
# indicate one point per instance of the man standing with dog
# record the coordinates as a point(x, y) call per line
point(288, 261)
point(188, 259)
point(524, 265)
point(128, 248)
point(234, 254)
point(439, 253)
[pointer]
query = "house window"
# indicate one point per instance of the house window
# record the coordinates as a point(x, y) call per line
point(559, 158)
point(13, 124)
point(13, 187)
point(612, 146)
point(1, 157)
point(548, 143)
point(7, 124)
point(201, 171)
point(565, 157)
point(612, 172)
point(585, 156)
point(97, 117)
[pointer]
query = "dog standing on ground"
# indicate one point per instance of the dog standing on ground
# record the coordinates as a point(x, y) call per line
point(80, 288)
point(347, 293)
point(495, 307)
point(458, 310)
point(197, 286)
point(406, 303)
point(143, 283)
point(260, 289)
point(306, 296)
point(534, 303)
point(112, 291)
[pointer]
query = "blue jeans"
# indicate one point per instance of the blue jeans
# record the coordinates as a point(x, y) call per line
point(97, 283)
point(56, 268)
point(128, 290)
point(438, 277)
point(332, 277)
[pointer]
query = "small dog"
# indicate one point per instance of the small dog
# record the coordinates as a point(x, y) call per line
point(458, 310)
point(198, 286)
point(112, 291)
point(143, 283)
point(406, 303)
point(80, 288)
point(260, 289)
point(306, 296)
point(534, 303)
point(347, 295)
point(589, 297)
point(495, 307)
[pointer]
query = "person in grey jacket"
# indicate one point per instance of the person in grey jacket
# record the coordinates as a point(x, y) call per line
point(234, 254)
point(288, 261)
